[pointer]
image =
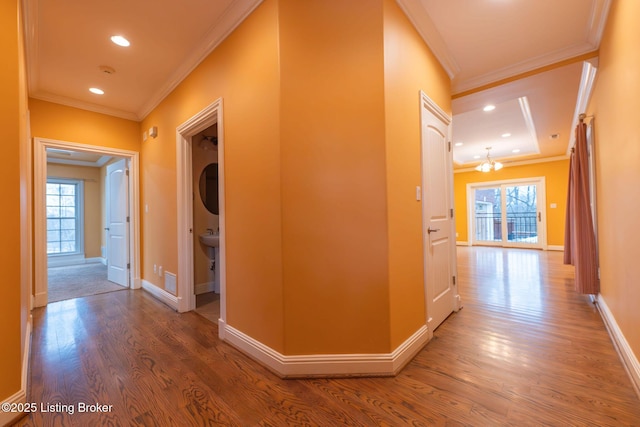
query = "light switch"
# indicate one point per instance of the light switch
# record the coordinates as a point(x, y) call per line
point(553, 205)
point(418, 193)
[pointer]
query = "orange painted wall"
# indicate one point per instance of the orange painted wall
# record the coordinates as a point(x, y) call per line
point(333, 177)
point(409, 67)
point(55, 121)
point(243, 71)
point(615, 105)
point(556, 174)
point(12, 136)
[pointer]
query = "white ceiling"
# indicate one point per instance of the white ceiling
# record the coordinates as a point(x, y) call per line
point(68, 40)
point(484, 44)
point(76, 158)
point(479, 42)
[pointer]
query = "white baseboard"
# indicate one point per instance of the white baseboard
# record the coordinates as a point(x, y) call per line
point(629, 359)
point(160, 294)
point(329, 365)
point(203, 288)
point(63, 261)
point(21, 396)
point(555, 248)
point(461, 243)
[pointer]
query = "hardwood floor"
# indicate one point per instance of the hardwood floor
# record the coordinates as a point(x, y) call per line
point(524, 351)
point(208, 306)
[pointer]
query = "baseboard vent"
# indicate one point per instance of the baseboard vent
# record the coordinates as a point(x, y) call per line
point(170, 281)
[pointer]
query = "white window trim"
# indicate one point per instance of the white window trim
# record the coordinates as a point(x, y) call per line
point(78, 255)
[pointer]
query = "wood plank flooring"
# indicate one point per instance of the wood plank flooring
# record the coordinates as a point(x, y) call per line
point(524, 351)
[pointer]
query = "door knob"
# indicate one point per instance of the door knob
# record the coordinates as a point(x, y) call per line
point(432, 230)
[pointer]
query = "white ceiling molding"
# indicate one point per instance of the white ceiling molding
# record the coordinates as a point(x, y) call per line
point(235, 14)
point(70, 102)
point(421, 21)
point(528, 120)
point(30, 12)
point(587, 81)
point(520, 163)
point(420, 16)
point(97, 164)
point(522, 67)
point(599, 14)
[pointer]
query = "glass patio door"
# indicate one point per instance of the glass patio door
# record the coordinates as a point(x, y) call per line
point(509, 214)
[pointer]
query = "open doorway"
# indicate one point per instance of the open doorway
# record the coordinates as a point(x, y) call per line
point(188, 236)
point(206, 219)
point(81, 193)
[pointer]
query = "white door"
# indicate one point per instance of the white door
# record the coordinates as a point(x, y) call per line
point(117, 223)
point(437, 213)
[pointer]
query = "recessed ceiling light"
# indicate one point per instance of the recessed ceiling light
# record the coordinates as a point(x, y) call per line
point(506, 135)
point(458, 144)
point(554, 136)
point(120, 41)
point(476, 157)
point(489, 108)
point(517, 150)
point(96, 91)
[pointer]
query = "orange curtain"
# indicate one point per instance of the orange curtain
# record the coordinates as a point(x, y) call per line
point(579, 237)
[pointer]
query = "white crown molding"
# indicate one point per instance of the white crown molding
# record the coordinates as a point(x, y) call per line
point(520, 163)
point(326, 365)
point(530, 64)
point(235, 14)
point(415, 11)
point(528, 119)
point(70, 102)
point(419, 17)
point(30, 12)
point(232, 17)
point(599, 15)
point(587, 81)
point(97, 164)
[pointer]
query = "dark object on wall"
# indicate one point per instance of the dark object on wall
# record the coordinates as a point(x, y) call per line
point(209, 188)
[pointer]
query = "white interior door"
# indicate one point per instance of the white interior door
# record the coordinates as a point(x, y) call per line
point(439, 245)
point(117, 223)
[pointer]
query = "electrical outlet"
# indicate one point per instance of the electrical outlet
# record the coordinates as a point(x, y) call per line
point(155, 268)
point(160, 271)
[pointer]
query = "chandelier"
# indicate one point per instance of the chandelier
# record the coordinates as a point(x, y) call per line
point(488, 165)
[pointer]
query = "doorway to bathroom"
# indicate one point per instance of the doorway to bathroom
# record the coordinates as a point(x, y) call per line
point(201, 233)
point(206, 214)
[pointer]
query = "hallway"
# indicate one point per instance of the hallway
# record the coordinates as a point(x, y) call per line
point(524, 350)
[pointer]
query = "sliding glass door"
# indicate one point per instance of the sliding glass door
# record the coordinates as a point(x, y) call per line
point(508, 213)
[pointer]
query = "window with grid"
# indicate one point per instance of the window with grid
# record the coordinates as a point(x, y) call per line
point(64, 216)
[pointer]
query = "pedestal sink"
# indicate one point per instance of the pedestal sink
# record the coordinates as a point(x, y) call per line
point(210, 239)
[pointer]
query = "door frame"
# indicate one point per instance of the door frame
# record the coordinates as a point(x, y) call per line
point(427, 105)
point(542, 205)
point(40, 146)
point(207, 117)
